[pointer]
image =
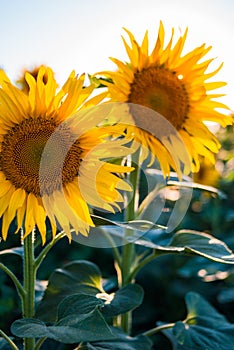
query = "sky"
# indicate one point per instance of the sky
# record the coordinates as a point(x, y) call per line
point(81, 35)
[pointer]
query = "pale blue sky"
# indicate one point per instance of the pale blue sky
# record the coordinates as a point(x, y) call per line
point(81, 35)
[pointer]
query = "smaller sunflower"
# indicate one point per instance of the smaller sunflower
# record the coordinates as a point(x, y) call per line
point(178, 88)
point(50, 144)
point(208, 174)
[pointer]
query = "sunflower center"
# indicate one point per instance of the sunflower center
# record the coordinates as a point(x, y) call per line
point(21, 154)
point(163, 91)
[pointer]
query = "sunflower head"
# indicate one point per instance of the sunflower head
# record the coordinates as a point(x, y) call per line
point(50, 142)
point(176, 86)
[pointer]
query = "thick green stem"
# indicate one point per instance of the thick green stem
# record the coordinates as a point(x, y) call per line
point(128, 254)
point(127, 258)
point(29, 285)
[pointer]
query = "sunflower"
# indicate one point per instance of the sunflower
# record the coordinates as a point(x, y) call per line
point(176, 87)
point(50, 145)
point(207, 175)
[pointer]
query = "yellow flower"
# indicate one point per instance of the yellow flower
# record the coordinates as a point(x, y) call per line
point(177, 87)
point(208, 174)
point(53, 156)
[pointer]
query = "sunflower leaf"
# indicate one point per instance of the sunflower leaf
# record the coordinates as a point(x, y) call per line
point(125, 299)
point(140, 225)
point(122, 341)
point(29, 327)
point(195, 243)
point(204, 328)
point(71, 329)
point(78, 304)
point(76, 277)
point(18, 251)
point(203, 244)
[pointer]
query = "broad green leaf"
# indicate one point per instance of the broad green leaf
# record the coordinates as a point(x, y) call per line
point(204, 328)
point(203, 244)
point(125, 299)
point(195, 243)
point(140, 225)
point(76, 277)
point(77, 288)
point(70, 329)
point(81, 271)
point(109, 234)
point(29, 327)
point(123, 342)
point(144, 242)
point(78, 304)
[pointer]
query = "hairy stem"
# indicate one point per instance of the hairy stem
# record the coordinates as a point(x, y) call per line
point(29, 285)
point(128, 253)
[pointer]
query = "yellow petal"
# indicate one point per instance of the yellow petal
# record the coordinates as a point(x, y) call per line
point(29, 223)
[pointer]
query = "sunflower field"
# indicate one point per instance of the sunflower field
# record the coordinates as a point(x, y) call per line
point(117, 205)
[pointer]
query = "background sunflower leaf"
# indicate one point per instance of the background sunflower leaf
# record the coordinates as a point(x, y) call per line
point(122, 341)
point(73, 328)
point(18, 251)
point(203, 244)
point(125, 299)
point(76, 277)
point(107, 233)
point(29, 327)
point(78, 304)
point(163, 249)
point(140, 225)
point(193, 243)
point(204, 328)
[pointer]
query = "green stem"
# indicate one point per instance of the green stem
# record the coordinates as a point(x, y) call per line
point(45, 251)
point(143, 262)
point(128, 254)
point(29, 285)
point(10, 342)
point(39, 343)
point(113, 247)
point(14, 279)
point(158, 329)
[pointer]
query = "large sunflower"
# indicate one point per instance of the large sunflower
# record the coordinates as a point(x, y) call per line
point(175, 86)
point(33, 184)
